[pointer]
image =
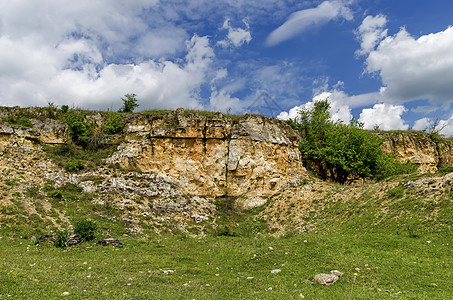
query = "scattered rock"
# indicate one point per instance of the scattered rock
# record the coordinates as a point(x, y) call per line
point(276, 271)
point(48, 238)
point(110, 241)
point(328, 279)
point(73, 239)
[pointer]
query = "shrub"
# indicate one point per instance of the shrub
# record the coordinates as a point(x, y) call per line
point(344, 151)
point(113, 124)
point(80, 130)
point(55, 194)
point(60, 240)
point(64, 109)
point(86, 229)
point(22, 120)
point(226, 231)
point(74, 166)
point(129, 103)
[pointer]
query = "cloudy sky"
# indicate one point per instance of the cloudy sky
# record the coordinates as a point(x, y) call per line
point(384, 62)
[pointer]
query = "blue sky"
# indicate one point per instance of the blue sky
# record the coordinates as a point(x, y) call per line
point(386, 63)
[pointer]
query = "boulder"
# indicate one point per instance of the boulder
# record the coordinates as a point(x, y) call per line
point(48, 238)
point(110, 241)
point(73, 239)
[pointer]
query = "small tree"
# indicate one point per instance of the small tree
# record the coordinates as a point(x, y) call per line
point(129, 103)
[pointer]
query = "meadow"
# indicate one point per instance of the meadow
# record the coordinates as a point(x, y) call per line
point(376, 265)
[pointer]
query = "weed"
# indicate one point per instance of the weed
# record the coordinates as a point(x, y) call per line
point(86, 229)
point(60, 240)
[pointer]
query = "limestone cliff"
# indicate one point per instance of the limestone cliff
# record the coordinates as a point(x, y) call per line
point(207, 154)
point(214, 156)
point(418, 148)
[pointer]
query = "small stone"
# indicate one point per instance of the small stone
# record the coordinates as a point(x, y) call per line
point(110, 241)
point(65, 294)
point(276, 271)
point(328, 279)
point(250, 278)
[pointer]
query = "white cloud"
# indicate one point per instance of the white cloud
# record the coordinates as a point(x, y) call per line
point(445, 127)
point(236, 36)
point(386, 116)
point(422, 124)
point(301, 20)
point(340, 105)
point(223, 102)
point(370, 33)
point(90, 53)
point(158, 84)
point(411, 68)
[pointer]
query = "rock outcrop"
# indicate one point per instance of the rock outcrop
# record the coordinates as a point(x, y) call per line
point(205, 154)
point(413, 147)
point(214, 156)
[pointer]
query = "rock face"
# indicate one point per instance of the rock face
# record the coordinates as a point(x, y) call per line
point(214, 156)
point(415, 148)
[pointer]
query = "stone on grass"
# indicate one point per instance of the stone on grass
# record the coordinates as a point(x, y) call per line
point(48, 238)
point(328, 279)
point(110, 241)
point(73, 239)
point(276, 271)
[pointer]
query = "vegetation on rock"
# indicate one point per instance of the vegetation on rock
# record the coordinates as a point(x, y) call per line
point(343, 151)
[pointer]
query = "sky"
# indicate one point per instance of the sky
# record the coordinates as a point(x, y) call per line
point(385, 63)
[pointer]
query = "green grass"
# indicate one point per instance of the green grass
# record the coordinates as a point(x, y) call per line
point(389, 266)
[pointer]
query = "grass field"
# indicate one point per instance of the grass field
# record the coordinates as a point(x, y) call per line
point(376, 266)
point(390, 240)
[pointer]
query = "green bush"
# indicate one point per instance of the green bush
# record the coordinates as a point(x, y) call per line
point(113, 124)
point(226, 230)
point(56, 194)
point(86, 229)
point(64, 109)
point(79, 129)
point(74, 165)
point(22, 120)
point(343, 151)
point(60, 240)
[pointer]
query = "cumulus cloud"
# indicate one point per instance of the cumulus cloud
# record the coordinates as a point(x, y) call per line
point(300, 21)
point(422, 124)
point(340, 105)
point(386, 116)
point(370, 33)
point(236, 36)
point(222, 101)
point(410, 68)
point(89, 54)
point(444, 127)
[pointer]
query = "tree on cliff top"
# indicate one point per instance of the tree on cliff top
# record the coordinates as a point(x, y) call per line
point(344, 151)
point(129, 103)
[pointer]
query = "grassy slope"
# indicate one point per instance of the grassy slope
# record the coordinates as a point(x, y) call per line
point(361, 231)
